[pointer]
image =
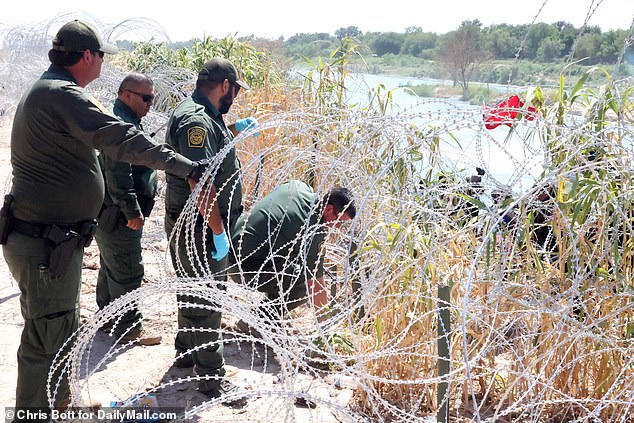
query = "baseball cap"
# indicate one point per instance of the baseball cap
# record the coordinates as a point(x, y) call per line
point(218, 69)
point(79, 36)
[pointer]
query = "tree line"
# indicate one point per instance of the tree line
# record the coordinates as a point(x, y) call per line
point(542, 42)
point(471, 52)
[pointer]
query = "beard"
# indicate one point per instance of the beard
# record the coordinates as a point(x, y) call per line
point(225, 103)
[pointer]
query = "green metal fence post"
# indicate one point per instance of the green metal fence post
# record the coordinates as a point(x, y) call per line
point(444, 358)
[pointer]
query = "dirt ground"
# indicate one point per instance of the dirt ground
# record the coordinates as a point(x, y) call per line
point(250, 366)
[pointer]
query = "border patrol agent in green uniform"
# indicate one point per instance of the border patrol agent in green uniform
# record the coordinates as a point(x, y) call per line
point(278, 245)
point(196, 129)
point(57, 192)
point(129, 199)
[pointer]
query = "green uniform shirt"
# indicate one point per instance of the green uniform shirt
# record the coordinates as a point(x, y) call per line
point(56, 129)
point(131, 187)
point(283, 225)
point(196, 130)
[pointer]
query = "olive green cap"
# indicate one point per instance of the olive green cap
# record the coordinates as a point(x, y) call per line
point(218, 69)
point(78, 36)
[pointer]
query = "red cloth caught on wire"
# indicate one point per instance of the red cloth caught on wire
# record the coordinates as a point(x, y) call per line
point(505, 112)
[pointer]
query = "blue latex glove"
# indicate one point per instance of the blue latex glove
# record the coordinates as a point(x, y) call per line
point(221, 243)
point(247, 123)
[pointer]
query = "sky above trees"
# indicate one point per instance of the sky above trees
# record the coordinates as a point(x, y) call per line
point(275, 18)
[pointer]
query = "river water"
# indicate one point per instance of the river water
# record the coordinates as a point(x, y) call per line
point(511, 159)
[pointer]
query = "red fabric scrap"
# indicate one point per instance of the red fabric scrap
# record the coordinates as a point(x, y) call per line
point(505, 112)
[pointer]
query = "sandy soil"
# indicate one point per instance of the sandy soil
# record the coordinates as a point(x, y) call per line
point(249, 365)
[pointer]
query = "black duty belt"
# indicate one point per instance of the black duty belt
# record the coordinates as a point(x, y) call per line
point(41, 230)
point(64, 240)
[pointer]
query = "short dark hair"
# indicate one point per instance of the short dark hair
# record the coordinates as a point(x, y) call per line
point(342, 200)
point(206, 86)
point(64, 58)
point(133, 80)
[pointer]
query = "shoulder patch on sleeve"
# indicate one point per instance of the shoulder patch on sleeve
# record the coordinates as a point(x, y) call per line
point(196, 137)
point(98, 105)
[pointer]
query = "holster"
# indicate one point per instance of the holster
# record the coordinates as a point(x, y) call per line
point(62, 239)
point(6, 219)
point(63, 246)
point(65, 242)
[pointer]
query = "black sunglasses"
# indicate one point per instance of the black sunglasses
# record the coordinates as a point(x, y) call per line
point(236, 86)
point(147, 98)
point(100, 53)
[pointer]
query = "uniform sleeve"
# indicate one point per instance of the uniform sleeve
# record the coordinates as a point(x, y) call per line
point(193, 141)
point(120, 186)
point(315, 254)
point(87, 120)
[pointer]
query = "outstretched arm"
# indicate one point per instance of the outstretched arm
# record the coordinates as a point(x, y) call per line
point(318, 294)
point(207, 207)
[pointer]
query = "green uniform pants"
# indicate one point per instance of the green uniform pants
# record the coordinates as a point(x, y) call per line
point(121, 270)
point(50, 308)
point(208, 360)
point(283, 283)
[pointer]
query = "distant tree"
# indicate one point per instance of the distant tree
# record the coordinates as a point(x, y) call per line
point(461, 53)
point(500, 41)
point(125, 45)
point(588, 48)
point(303, 38)
point(612, 44)
point(311, 45)
point(567, 35)
point(537, 33)
point(413, 29)
point(416, 43)
point(550, 49)
point(387, 42)
point(349, 32)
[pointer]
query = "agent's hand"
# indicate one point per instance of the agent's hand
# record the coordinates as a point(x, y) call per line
point(198, 170)
point(247, 123)
point(136, 223)
point(221, 243)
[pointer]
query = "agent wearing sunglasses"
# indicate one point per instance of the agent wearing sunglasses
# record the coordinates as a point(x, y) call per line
point(129, 199)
